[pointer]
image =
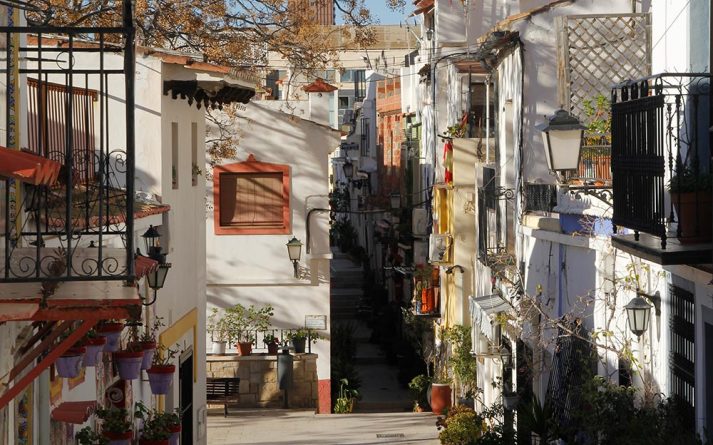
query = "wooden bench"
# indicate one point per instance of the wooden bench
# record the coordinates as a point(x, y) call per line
point(223, 390)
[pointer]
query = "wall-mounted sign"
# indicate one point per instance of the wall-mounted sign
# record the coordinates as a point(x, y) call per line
point(317, 322)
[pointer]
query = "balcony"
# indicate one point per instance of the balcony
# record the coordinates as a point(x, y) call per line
point(660, 168)
point(495, 237)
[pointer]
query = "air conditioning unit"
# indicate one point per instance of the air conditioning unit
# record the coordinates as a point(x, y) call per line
point(419, 222)
point(439, 247)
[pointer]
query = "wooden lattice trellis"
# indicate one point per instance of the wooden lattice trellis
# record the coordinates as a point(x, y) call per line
point(599, 50)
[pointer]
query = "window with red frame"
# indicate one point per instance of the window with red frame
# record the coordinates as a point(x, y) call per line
point(251, 198)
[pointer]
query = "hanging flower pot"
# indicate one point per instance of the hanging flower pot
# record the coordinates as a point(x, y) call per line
point(128, 364)
point(175, 434)
point(111, 331)
point(119, 438)
point(69, 365)
point(160, 378)
point(245, 348)
point(95, 346)
point(149, 348)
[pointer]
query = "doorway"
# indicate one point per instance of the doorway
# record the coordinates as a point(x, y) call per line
point(185, 377)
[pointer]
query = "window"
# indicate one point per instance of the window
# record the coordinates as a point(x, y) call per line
point(174, 155)
point(343, 102)
point(47, 124)
point(251, 198)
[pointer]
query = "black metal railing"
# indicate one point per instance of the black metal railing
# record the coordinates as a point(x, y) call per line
point(661, 154)
point(595, 164)
point(257, 338)
point(540, 197)
point(79, 86)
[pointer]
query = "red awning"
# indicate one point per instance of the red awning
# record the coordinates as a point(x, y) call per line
point(143, 265)
point(28, 167)
point(74, 412)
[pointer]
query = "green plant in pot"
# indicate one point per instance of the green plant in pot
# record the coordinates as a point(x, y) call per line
point(162, 370)
point(691, 198)
point(272, 342)
point(146, 340)
point(244, 322)
point(116, 425)
point(461, 361)
point(219, 328)
point(299, 338)
point(419, 387)
point(347, 398)
point(87, 436)
point(441, 386)
point(154, 428)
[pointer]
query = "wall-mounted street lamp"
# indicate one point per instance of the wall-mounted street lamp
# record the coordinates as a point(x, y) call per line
point(294, 250)
point(638, 311)
point(395, 200)
point(563, 135)
point(157, 277)
point(348, 168)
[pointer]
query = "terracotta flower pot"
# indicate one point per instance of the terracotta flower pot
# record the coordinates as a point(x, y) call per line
point(160, 378)
point(694, 216)
point(129, 364)
point(94, 346)
point(149, 348)
point(245, 348)
point(440, 397)
point(111, 331)
point(119, 438)
point(69, 365)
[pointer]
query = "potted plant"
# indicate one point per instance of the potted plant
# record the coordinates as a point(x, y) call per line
point(128, 360)
point(94, 343)
point(219, 329)
point(347, 398)
point(146, 341)
point(154, 428)
point(244, 322)
point(112, 331)
point(116, 425)
point(70, 364)
point(172, 419)
point(441, 387)
point(272, 342)
point(299, 337)
point(419, 389)
point(161, 373)
point(691, 197)
point(87, 436)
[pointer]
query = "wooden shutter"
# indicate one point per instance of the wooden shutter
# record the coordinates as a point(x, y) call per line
point(252, 200)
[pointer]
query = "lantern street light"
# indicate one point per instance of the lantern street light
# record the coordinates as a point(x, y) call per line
point(157, 277)
point(348, 168)
point(562, 134)
point(395, 199)
point(294, 250)
point(638, 312)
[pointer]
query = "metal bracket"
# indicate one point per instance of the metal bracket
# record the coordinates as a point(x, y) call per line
point(600, 192)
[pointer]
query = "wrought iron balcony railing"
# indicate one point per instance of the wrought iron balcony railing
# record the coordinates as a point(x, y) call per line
point(78, 84)
point(661, 156)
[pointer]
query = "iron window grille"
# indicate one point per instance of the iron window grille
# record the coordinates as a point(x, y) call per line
point(659, 129)
point(683, 351)
point(93, 199)
point(540, 197)
point(494, 221)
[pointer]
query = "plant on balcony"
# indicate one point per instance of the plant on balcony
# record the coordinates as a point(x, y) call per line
point(691, 197)
point(87, 436)
point(462, 362)
point(299, 337)
point(598, 118)
point(116, 425)
point(162, 370)
point(244, 322)
point(219, 330)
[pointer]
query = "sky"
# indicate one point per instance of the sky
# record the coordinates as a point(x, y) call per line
point(385, 15)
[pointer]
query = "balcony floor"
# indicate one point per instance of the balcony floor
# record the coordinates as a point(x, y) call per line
point(649, 248)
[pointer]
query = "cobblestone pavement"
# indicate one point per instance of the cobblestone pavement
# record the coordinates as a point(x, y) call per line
point(290, 427)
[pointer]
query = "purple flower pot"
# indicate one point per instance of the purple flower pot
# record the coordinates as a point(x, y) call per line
point(148, 358)
point(112, 341)
point(175, 434)
point(129, 364)
point(160, 378)
point(70, 365)
point(92, 356)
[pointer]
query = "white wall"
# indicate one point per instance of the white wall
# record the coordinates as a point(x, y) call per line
point(255, 269)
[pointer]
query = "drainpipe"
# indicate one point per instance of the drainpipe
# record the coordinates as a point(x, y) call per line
point(487, 119)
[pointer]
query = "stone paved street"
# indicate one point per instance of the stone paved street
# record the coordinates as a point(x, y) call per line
point(252, 427)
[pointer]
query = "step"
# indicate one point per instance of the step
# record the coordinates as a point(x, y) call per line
point(383, 407)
